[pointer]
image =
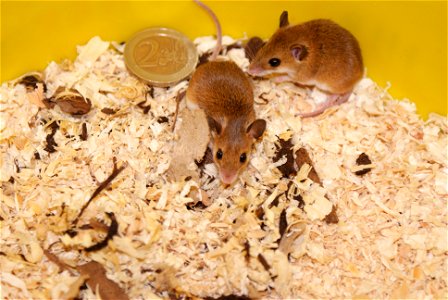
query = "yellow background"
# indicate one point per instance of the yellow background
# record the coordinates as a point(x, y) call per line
point(403, 42)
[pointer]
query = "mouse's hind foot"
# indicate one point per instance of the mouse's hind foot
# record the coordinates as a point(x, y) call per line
point(333, 100)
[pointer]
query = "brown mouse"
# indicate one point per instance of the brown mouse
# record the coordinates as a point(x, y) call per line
point(224, 92)
point(316, 53)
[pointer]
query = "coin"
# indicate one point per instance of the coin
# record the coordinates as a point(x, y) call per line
point(160, 56)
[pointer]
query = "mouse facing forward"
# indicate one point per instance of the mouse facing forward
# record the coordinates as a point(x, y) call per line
point(225, 94)
point(316, 53)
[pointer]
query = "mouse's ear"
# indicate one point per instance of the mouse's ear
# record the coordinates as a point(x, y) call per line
point(257, 128)
point(284, 19)
point(215, 126)
point(299, 52)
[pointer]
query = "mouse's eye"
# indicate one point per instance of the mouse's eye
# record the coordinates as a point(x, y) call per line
point(243, 158)
point(219, 154)
point(274, 62)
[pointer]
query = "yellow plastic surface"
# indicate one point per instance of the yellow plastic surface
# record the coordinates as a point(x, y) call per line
point(404, 42)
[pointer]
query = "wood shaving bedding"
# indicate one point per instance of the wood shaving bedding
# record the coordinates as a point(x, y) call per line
point(264, 237)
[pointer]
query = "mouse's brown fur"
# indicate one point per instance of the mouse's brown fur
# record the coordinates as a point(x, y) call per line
point(223, 91)
point(316, 53)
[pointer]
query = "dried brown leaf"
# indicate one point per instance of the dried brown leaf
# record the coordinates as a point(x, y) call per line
point(203, 58)
point(247, 250)
point(97, 279)
point(285, 148)
point(293, 193)
point(283, 223)
point(70, 101)
point(30, 82)
point(236, 45)
point(50, 138)
point(112, 230)
point(363, 159)
point(207, 159)
point(302, 157)
point(98, 225)
point(144, 107)
point(83, 136)
point(196, 206)
point(263, 262)
point(115, 172)
point(332, 217)
point(259, 212)
point(109, 111)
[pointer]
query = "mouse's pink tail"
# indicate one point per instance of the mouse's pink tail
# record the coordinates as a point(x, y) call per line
point(218, 30)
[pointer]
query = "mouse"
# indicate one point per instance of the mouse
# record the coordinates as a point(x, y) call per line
point(225, 93)
point(317, 53)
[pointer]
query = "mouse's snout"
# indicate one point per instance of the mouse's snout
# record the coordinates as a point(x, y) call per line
point(254, 70)
point(228, 176)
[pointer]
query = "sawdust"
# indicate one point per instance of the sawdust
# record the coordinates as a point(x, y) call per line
point(264, 237)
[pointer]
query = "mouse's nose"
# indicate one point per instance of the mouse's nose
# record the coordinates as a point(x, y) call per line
point(254, 70)
point(228, 177)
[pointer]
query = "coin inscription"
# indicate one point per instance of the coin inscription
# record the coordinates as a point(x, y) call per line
point(160, 54)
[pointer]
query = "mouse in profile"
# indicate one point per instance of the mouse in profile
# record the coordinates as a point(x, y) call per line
point(225, 94)
point(316, 53)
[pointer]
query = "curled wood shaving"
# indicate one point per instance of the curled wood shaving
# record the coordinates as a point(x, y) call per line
point(166, 280)
point(36, 89)
point(287, 243)
point(92, 50)
point(14, 281)
point(75, 288)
